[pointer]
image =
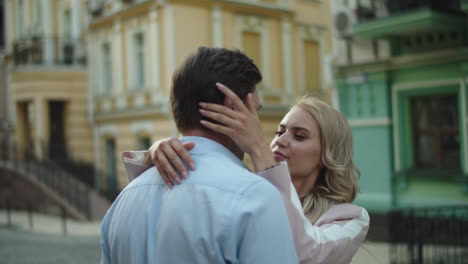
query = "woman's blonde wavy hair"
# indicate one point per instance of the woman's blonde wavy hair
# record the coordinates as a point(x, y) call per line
point(337, 181)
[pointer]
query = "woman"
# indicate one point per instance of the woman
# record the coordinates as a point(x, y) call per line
point(313, 149)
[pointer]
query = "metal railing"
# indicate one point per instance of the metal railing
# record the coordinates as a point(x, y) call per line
point(28, 208)
point(57, 179)
point(39, 50)
point(429, 235)
point(378, 9)
point(83, 171)
point(69, 179)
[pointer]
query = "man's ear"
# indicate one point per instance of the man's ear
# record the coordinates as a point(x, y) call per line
point(228, 102)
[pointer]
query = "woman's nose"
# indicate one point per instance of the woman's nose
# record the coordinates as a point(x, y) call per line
point(281, 140)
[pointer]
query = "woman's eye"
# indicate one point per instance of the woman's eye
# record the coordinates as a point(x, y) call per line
point(299, 137)
point(279, 133)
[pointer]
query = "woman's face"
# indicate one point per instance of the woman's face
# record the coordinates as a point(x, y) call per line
point(298, 141)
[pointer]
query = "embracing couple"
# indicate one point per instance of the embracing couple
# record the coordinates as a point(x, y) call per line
point(201, 204)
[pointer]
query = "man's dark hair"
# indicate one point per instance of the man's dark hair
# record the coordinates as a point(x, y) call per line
point(195, 81)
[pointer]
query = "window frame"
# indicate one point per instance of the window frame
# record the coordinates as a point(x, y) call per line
point(436, 153)
point(403, 142)
point(106, 67)
point(139, 67)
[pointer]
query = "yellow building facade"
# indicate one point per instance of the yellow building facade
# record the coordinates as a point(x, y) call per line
point(89, 79)
point(48, 79)
point(134, 47)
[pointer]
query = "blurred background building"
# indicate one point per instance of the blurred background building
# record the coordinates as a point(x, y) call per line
point(86, 80)
point(401, 79)
point(83, 80)
point(47, 105)
point(4, 120)
point(134, 47)
point(48, 78)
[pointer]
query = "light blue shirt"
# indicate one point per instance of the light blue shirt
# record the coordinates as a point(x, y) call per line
point(222, 214)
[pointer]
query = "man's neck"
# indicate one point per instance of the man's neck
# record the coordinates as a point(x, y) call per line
point(219, 138)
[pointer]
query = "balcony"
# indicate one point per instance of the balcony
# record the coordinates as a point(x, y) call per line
point(464, 5)
point(280, 5)
point(38, 50)
point(95, 7)
point(384, 18)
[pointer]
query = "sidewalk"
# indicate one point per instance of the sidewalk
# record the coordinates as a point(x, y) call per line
point(20, 246)
point(373, 253)
point(369, 253)
point(45, 243)
point(48, 224)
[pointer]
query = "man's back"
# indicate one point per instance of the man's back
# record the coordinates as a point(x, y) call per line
point(221, 214)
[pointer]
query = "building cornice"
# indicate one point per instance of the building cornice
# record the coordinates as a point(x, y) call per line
point(132, 10)
point(259, 5)
point(158, 110)
point(405, 61)
point(273, 110)
point(257, 8)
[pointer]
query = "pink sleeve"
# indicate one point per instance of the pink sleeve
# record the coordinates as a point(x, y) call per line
point(134, 163)
point(335, 237)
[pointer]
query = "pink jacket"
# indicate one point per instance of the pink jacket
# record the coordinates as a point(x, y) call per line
point(334, 238)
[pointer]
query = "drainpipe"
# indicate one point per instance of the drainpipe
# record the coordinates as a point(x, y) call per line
point(6, 126)
point(92, 84)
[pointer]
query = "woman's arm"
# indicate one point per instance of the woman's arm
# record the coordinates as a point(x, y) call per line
point(334, 238)
point(337, 234)
point(134, 163)
point(167, 155)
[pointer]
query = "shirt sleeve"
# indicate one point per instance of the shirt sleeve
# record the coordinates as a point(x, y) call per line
point(105, 251)
point(335, 237)
point(261, 228)
point(134, 163)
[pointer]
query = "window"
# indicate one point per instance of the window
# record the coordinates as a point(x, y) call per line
point(67, 24)
point(251, 46)
point(436, 140)
point(312, 65)
point(57, 142)
point(139, 63)
point(19, 18)
point(38, 13)
point(111, 166)
point(106, 68)
point(2, 36)
point(252, 37)
point(269, 1)
point(144, 143)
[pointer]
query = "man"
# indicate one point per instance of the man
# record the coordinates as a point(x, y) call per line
point(222, 213)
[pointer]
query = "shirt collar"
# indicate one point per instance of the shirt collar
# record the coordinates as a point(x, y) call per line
point(204, 146)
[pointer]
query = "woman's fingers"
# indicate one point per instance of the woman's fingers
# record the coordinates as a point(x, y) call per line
point(218, 108)
point(185, 156)
point(241, 123)
point(164, 165)
point(218, 128)
point(169, 155)
point(224, 120)
point(165, 178)
point(239, 105)
point(177, 154)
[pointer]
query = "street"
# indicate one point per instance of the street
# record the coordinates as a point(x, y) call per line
point(47, 244)
point(24, 247)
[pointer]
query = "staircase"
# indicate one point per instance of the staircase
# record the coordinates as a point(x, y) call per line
point(78, 200)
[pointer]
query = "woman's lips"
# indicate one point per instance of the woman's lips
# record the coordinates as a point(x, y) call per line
point(279, 156)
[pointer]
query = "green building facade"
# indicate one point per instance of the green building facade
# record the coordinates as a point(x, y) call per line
point(409, 111)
